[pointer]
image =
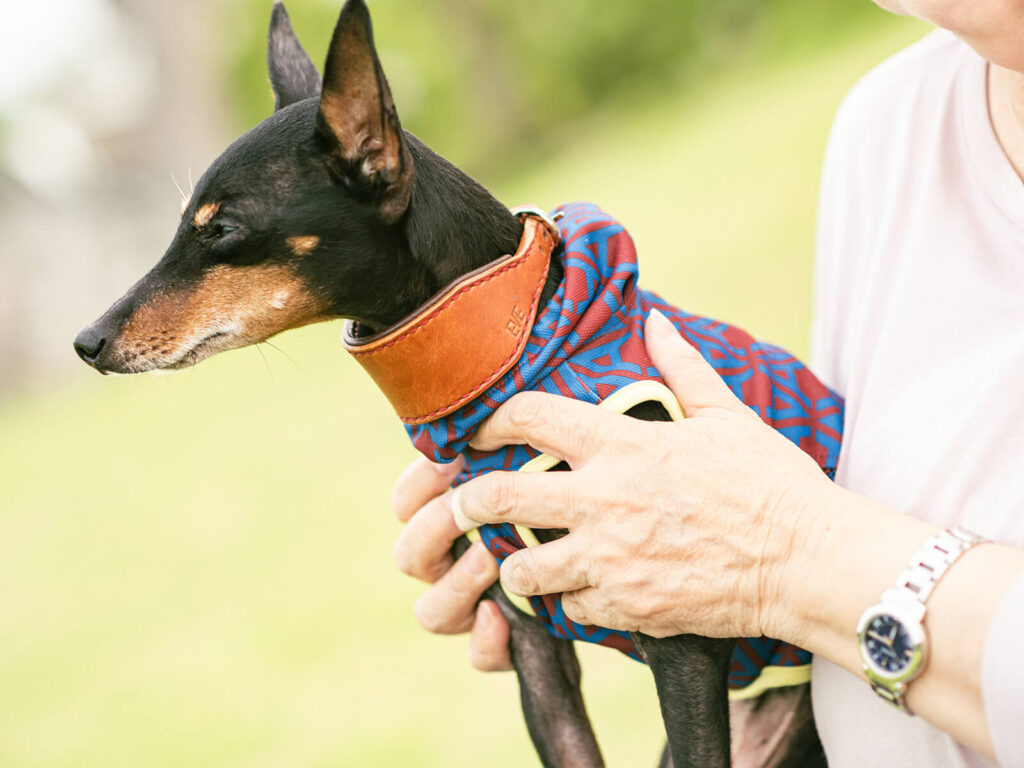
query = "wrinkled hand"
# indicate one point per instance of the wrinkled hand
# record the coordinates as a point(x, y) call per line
point(422, 499)
point(675, 528)
point(681, 527)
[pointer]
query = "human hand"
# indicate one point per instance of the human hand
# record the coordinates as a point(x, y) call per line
point(683, 527)
point(451, 605)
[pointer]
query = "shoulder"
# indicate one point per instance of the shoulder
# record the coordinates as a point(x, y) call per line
point(927, 62)
point(884, 136)
point(901, 97)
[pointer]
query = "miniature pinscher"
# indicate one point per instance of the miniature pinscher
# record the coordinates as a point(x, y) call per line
point(328, 209)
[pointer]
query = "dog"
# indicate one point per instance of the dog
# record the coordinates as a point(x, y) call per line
point(328, 209)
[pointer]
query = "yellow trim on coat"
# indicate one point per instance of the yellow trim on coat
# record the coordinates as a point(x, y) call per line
point(619, 401)
point(772, 677)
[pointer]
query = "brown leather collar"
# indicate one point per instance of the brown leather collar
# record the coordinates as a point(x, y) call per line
point(465, 338)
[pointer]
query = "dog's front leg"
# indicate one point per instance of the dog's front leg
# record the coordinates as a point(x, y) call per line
point(691, 674)
point(774, 730)
point(549, 687)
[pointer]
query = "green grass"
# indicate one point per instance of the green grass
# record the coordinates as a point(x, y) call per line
point(195, 571)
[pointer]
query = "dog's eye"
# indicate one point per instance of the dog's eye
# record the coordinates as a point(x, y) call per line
point(222, 238)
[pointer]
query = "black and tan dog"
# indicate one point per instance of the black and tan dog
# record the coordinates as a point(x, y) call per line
point(328, 209)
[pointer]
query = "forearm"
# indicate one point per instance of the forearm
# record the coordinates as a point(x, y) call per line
point(850, 551)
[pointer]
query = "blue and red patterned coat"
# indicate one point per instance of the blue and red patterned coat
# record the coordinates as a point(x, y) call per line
point(588, 343)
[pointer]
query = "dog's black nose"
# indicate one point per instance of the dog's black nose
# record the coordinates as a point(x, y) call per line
point(89, 343)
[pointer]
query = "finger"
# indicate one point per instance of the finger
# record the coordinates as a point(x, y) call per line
point(488, 642)
point(423, 547)
point(447, 608)
point(536, 499)
point(568, 429)
point(581, 606)
point(691, 378)
point(546, 569)
point(421, 481)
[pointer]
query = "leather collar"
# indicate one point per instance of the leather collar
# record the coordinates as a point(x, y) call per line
point(466, 337)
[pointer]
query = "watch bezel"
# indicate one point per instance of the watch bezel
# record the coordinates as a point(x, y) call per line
point(915, 631)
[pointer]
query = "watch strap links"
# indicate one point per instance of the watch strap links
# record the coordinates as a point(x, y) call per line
point(913, 587)
point(893, 695)
point(931, 562)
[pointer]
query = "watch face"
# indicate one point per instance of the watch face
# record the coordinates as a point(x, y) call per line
point(888, 644)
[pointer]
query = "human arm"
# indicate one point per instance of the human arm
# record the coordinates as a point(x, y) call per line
point(719, 526)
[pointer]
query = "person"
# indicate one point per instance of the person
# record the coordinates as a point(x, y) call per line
point(718, 526)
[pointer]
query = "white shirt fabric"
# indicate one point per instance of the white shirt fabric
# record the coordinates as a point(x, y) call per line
point(919, 324)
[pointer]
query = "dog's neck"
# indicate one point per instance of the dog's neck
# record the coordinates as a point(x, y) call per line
point(453, 226)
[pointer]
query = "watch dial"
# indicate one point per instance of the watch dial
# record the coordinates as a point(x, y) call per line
point(889, 644)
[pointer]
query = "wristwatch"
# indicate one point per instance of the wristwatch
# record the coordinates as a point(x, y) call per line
point(891, 635)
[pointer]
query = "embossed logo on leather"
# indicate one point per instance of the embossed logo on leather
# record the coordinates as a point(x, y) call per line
point(516, 322)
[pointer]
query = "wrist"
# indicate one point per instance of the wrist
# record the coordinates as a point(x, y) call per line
point(852, 551)
point(849, 551)
point(891, 635)
point(796, 527)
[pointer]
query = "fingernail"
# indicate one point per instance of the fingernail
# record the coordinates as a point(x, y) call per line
point(479, 561)
point(659, 321)
point(463, 522)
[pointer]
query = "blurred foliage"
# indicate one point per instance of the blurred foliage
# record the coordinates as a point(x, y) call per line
point(480, 79)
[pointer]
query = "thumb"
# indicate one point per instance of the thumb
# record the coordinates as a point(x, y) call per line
point(696, 385)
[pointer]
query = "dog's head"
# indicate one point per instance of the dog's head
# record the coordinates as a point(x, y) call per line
point(288, 223)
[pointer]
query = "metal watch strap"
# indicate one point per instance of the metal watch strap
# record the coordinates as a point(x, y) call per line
point(915, 585)
point(931, 562)
point(893, 695)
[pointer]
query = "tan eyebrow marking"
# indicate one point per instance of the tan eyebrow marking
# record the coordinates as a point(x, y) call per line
point(303, 245)
point(205, 214)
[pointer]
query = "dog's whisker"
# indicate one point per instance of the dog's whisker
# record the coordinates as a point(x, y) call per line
point(266, 363)
point(184, 197)
point(289, 357)
point(191, 186)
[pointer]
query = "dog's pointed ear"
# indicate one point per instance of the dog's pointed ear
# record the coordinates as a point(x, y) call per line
point(293, 75)
point(358, 120)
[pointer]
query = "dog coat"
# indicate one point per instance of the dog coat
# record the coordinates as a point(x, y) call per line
point(588, 343)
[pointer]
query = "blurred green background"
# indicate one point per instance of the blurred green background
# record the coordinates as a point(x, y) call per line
point(196, 571)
